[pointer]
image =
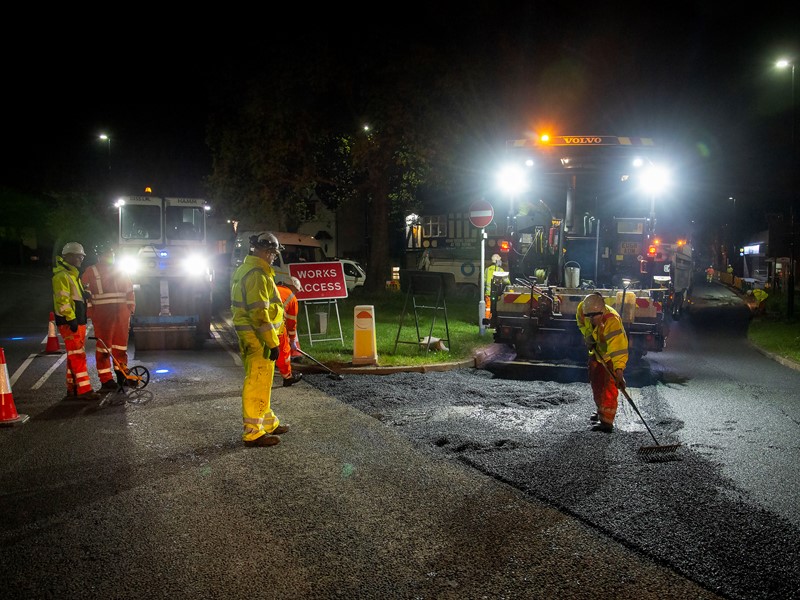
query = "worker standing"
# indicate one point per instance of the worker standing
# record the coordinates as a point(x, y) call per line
point(257, 313)
point(69, 301)
point(710, 273)
point(605, 337)
point(495, 267)
point(288, 333)
point(110, 308)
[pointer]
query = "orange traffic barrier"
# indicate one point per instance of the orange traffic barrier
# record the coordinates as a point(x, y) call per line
point(53, 346)
point(8, 412)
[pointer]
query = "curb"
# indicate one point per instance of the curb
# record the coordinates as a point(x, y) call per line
point(786, 362)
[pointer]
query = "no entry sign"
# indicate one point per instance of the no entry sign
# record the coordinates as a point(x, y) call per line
point(481, 213)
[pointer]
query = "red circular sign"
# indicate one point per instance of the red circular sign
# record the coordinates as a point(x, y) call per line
point(481, 213)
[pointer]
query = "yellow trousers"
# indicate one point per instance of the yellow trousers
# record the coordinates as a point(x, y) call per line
point(257, 416)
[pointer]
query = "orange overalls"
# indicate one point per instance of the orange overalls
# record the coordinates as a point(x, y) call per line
point(288, 333)
point(110, 308)
point(611, 342)
point(69, 305)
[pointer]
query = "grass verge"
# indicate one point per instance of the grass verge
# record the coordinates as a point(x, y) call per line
point(391, 321)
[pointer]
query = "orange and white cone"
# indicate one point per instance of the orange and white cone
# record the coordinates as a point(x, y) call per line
point(8, 412)
point(53, 346)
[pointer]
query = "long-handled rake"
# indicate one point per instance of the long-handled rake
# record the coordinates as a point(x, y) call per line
point(333, 375)
point(658, 449)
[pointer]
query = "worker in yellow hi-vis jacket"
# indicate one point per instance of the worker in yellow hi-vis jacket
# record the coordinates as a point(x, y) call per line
point(257, 317)
point(607, 341)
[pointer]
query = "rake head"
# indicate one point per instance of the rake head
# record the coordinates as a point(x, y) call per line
point(659, 452)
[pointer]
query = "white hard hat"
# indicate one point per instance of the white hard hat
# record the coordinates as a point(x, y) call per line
point(296, 283)
point(496, 258)
point(593, 303)
point(73, 248)
point(266, 241)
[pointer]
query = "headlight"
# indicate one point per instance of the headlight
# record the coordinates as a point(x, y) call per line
point(195, 265)
point(129, 264)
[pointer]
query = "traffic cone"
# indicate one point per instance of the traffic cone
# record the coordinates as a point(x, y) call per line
point(8, 412)
point(53, 346)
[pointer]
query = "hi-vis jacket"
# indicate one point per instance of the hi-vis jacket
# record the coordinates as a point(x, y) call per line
point(255, 302)
point(609, 336)
point(290, 310)
point(69, 297)
point(109, 288)
point(489, 276)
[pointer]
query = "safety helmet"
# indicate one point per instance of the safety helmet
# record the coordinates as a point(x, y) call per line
point(296, 283)
point(103, 247)
point(73, 248)
point(266, 241)
point(496, 258)
point(593, 303)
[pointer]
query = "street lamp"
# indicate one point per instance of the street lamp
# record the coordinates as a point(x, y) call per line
point(107, 139)
point(782, 64)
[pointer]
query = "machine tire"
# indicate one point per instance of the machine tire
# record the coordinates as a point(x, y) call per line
point(468, 291)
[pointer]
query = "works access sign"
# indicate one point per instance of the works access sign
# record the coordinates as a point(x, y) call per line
point(320, 280)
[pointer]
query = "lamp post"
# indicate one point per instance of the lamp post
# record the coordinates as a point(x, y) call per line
point(782, 64)
point(107, 139)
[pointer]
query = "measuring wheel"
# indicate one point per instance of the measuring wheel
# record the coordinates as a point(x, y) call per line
point(143, 376)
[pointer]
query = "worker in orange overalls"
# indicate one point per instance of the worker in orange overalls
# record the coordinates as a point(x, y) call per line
point(710, 273)
point(607, 341)
point(69, 303)
point(287, 335)
point(110, 308)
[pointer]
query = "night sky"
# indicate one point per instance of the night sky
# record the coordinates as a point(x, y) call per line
point(698, 80)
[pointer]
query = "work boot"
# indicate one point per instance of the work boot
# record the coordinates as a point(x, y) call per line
point(109, 386)
point(264, 440)
point(280, 429)
point(287, 381)
point(595, 418)
point(603, 427)
point(90, 396)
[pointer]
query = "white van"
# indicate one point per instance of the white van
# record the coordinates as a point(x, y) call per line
point(354, 274)
point(298, 247)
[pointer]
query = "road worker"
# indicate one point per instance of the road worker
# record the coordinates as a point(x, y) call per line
point(110, 308)
point(495, 267)
point(288, 333)
point(606, 340)
point(257, 313)
point(69, 301)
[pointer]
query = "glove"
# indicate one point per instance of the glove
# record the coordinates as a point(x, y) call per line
point(273, 353)
point(619, 375)
point(293, 343)
point(73, 325)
